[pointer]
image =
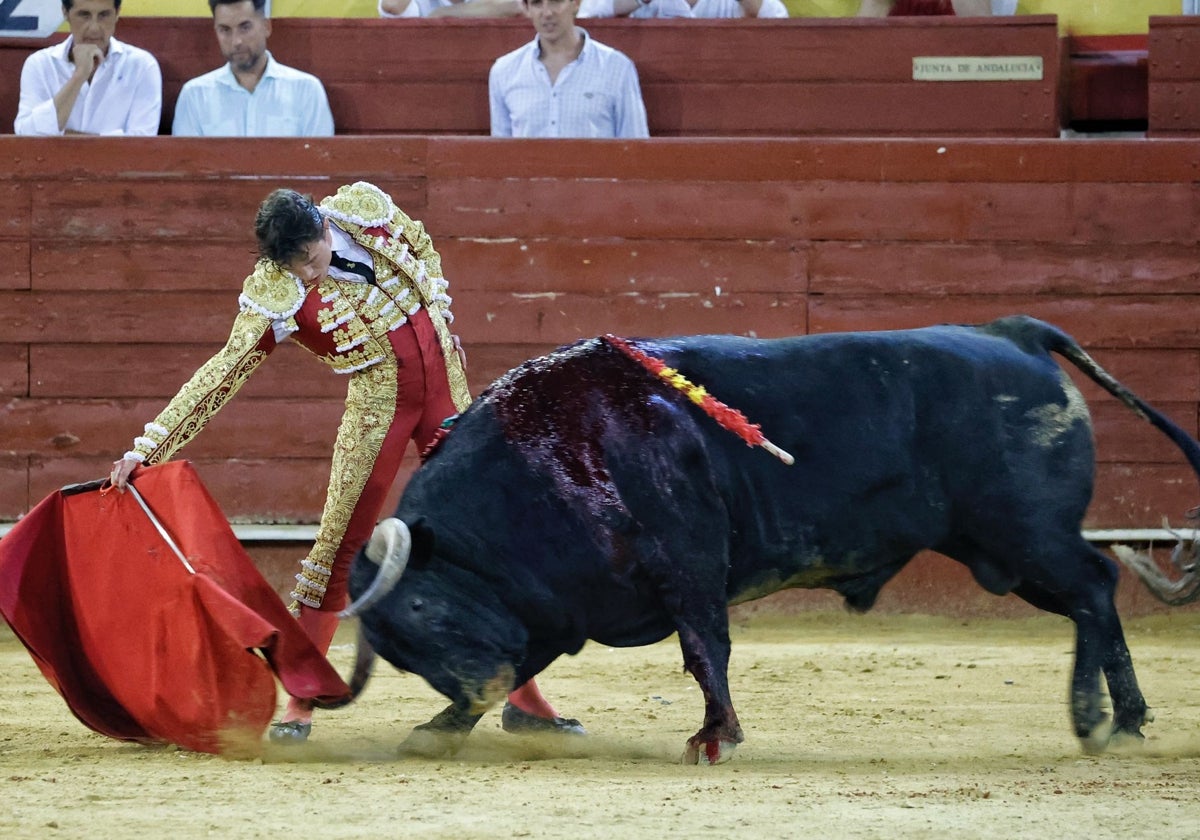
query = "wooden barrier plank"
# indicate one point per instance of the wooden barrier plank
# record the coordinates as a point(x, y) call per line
point(1123, 437)
point(404, 106)
point(281, 490)
point(543, 318)
point(86, 316)
point(619, 266)
point(190, 264)
point(1059, 268)
point(14, 371)
point(1174, 76)
point(292, 489)
point(1120, 322)
point(246, 428)
point(673, 210)
point(313, 165)
point(561, 319)
point(889, 160)
point(764, 210)
point(1172, 43)
point(127, 370)
point(1160, 376)
point(1140, 495)
point(14, 207)
point(916, 109)
point(1113, 321)
point(167, 210)
point(818, 210)
point(1175, 107)
point(14, 264)
point(14, 486)
point(155, 372)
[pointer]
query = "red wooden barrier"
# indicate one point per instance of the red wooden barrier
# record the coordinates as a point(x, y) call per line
point(122, 260)
point(1174, 76)
point(699, 78)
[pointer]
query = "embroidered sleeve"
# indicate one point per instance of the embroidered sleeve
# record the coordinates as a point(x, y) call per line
point(210, 387)
point(428, 271)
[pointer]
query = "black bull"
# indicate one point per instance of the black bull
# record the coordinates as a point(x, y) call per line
point(580, 497)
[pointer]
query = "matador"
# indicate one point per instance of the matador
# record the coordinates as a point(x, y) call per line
point(357, 283)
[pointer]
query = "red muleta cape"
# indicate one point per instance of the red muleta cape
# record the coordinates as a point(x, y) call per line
point(140, 647)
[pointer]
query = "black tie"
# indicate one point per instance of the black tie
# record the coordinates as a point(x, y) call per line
point(362, 269)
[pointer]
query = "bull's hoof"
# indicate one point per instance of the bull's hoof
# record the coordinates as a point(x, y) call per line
point(425, 742)
point(520, 722)
point(713, 752)
point(442, 736)
point(1096, 741)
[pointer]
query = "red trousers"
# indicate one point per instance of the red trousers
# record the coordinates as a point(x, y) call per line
point(422, 403)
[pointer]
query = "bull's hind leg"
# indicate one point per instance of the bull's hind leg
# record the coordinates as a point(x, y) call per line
point(1080, 584)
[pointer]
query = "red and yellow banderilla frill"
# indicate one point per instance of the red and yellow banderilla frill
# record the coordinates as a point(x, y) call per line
point(727, 417)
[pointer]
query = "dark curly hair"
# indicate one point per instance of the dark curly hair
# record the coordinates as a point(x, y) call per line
point(287, 222)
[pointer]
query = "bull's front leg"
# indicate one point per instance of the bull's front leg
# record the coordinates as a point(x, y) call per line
point(443, 736)
point(706, 657)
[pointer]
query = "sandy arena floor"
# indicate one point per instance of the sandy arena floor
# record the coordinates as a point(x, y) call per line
point(856, 726)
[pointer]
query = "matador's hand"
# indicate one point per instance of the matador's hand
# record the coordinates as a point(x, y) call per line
point(462, 354)
point(121, 471)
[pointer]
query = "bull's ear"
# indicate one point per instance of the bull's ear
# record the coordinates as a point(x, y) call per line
point(422, 543)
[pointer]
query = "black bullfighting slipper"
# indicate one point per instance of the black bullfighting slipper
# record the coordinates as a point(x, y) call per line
point(520, 722)
point(289, 732)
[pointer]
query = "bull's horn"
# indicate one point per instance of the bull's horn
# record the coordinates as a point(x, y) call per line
point(389, 546)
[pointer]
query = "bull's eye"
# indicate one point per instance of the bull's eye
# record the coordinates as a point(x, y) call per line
point(417, 605)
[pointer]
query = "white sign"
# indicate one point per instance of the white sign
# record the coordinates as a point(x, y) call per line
point(29, 18)
point(973, 68)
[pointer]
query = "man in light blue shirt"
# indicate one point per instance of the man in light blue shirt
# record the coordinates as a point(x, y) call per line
point(563, 83)
point(252, 95)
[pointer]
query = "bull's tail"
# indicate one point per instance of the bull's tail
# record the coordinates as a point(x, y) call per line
point(364, 663)
point(1187, 588)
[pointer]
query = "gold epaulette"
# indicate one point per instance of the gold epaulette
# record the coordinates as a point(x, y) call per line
point(359, 205)
point(272, 292)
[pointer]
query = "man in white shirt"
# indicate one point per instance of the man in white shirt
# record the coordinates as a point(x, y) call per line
point(738, 8)
point(252, 95)
point(91, 83)
point(635, 8)
point(449, 8)
point(563, 83)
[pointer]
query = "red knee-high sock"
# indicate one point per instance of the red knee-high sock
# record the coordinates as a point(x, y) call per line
point(528, 698)
point(319, 626)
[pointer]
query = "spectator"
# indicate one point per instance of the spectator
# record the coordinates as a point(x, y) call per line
point(512, 8)
point(252, 95)
point(91, 83)
point(738, 8)
point(563, 83)
point(899, 8)
point(449, 8)
point(636, 8)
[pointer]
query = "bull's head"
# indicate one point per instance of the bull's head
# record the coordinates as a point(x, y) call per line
point(435, 618)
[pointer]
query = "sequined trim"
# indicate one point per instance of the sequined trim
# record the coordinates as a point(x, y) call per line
point(210, 387)
point(360, 204)
point(370, 408)
point(272, 292)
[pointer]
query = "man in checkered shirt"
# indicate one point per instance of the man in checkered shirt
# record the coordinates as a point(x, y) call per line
point(564, 83)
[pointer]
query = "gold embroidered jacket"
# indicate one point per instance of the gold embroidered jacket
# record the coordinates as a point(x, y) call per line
point(345, 324)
